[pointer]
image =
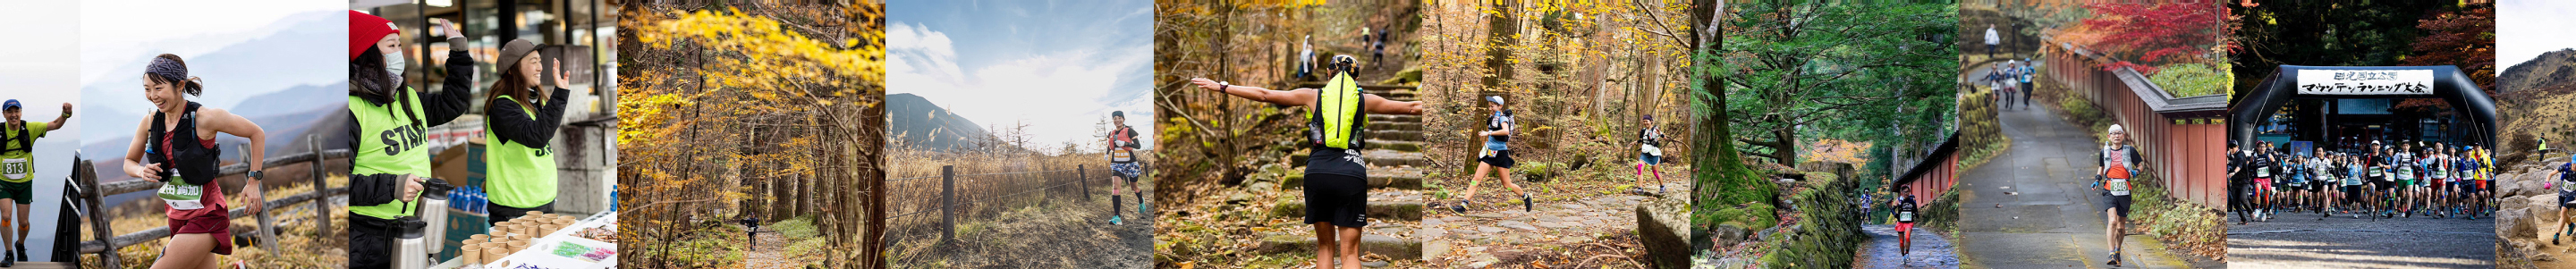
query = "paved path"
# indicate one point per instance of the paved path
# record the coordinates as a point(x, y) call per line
point(2029, 207)
point(2303, 240)
point(1929, 250)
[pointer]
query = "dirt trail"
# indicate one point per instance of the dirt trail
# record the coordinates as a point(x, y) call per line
point(770, 251)
point(1070, 232)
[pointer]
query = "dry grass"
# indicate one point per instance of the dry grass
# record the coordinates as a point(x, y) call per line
point(981, 194)
point(303, 242)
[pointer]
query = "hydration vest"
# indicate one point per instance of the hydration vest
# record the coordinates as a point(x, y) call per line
point(189, 164)
point(17, 139)
point(1125, 140)
point(1338, 119)
point(1905, 210)
point(17, 153)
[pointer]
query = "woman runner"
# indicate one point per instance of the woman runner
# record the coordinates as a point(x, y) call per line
point(177, 147)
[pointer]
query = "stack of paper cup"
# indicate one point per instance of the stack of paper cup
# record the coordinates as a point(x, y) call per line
point(473, 252)
point(494, 251)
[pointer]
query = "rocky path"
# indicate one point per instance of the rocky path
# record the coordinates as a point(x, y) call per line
point(1496, 235)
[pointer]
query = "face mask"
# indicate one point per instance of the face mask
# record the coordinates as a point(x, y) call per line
point(394, 63)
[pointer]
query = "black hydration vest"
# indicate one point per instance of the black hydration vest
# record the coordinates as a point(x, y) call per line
point(197, 161)
point(17, 140)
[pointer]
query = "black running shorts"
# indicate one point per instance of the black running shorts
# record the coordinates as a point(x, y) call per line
point(1339, 199)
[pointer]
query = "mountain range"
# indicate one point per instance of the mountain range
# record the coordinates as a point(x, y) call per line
point(922, 123)
point(2553, 69)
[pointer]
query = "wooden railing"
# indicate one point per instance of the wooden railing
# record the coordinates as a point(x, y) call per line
point(88, 194)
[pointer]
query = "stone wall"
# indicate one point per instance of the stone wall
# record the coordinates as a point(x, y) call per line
point(1826, 228)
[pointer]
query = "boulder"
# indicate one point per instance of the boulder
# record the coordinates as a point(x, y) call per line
point(2518, 223)
point(2506, 185)
point(2543, 207)
point(2532, 187)
point(1663, 230)
point(1729, 234)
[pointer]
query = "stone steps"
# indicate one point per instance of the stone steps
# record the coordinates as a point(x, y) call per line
point(1394, 118)
point(1375, 157)
point(1375, 125)
point(1396, 145)
point(1382, 205)
point(1402, 135)
point(1391, 247)
point(1400, 178)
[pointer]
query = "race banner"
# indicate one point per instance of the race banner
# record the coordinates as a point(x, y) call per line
point(2366, 82)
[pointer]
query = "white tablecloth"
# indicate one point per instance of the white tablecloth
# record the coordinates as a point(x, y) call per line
point(540, 252)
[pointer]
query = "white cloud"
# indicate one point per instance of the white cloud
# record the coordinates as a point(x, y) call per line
point(2527, 28)
point(1060, 94)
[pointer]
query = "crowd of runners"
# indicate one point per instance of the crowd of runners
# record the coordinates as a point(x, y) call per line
point(2379, 179)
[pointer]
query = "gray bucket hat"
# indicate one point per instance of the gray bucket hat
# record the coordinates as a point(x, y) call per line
point(511, 52)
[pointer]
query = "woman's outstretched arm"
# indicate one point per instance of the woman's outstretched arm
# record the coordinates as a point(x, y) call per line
point(1298, 97)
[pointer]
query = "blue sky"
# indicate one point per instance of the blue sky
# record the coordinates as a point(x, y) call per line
point(1059, 66)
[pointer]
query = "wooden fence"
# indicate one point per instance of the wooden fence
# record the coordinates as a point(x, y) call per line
point(949, 200)
point(88, 193)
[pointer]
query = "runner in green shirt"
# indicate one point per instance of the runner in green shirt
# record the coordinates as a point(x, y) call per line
point(17, 172)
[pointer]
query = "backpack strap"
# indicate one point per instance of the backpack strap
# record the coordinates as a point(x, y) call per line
point(16, 133)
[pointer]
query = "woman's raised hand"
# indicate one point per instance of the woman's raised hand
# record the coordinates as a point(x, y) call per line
point(449, 27)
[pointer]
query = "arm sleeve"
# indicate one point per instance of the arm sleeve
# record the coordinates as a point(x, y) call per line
point(373, 189)
point(510, 123)
point(451, 100)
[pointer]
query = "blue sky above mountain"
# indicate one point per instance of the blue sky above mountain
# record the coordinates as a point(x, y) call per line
point(1060, 66)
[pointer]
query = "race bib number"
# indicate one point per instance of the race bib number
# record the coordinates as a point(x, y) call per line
point(2118, 186)
point(16, 168)
point(1651, 150)
point(182, 196)
point(1905, 216)
point(1122, 156)
point(2259, 172)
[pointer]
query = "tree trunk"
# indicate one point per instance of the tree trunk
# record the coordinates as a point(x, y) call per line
point(1500, 30)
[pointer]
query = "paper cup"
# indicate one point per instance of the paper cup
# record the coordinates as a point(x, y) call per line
point(516, 246)
point(494, 251)
point(472, 253)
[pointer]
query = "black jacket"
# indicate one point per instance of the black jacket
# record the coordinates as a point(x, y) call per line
point(443, 106)
point(511, 123)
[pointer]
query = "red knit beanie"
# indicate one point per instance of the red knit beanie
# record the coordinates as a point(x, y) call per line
point(365, 30)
